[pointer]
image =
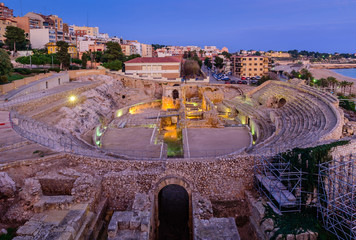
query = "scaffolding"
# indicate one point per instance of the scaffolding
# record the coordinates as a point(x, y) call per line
point(337, 197)
point(279, 181)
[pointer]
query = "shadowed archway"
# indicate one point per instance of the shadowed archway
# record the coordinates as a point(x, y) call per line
point(173, 213)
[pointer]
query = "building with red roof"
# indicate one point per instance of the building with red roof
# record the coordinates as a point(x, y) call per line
point(154, 67)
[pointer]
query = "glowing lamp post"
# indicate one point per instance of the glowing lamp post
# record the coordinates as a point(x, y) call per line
point(72, 99)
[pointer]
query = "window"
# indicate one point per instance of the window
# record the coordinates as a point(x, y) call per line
point(250, 59)
point(255, 59)
point(255, 64)
point(255, 69)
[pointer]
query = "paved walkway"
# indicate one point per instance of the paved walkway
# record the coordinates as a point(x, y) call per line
point(12, 93)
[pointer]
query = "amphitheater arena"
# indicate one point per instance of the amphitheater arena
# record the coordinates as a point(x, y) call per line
point(112, 161)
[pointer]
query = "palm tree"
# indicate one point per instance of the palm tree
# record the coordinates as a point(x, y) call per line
point(333, 82)
point(343, 85)
point(350, 85)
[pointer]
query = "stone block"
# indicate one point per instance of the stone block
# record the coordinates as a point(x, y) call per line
point(124, 220)
point(135, 222)
point(141, 202)
point(30, 229)
point(302, 236)
point(7, 185)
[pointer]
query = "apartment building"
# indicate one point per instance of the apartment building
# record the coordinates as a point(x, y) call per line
point(40, 37)
point(128, 49)
point(146, 50)
point(6, 12)
point(57, 22)
point(164, 67)
point(250, 66)
point(85, 31)
point(72, 49)
point(5, 22)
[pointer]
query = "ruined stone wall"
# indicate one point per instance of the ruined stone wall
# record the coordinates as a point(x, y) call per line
point(217, 179)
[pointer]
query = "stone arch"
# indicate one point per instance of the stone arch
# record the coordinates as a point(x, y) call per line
point(175, 94)
point(281, 102)
point(163, 182)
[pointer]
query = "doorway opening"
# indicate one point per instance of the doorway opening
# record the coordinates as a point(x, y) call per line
point(173, 213)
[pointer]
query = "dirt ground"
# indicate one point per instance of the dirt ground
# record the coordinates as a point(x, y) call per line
point(131, 141)
point(216, 141)
point(239, 210)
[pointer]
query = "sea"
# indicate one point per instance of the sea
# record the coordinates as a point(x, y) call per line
point(349, 72)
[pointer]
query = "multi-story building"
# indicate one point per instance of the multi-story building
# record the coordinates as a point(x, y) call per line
point(164, 67)
point(128, 49)
point(85, 31)
point(58, 22)
point(250, 66)
point(5, 22)
point(146, 50)
point(40, 37)
point(6, 12)
point(72, 49)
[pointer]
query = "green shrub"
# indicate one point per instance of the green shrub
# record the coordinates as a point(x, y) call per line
point(54, 70)
point(73, 67)
point(39, 71)
point(113, 65)
point(23, 71)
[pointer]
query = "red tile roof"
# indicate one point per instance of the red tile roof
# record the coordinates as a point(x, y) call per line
point(154, 60)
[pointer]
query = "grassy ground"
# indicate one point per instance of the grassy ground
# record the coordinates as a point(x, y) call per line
point(15, 76)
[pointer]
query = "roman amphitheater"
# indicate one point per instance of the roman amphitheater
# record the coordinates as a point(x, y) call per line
point(109, 156)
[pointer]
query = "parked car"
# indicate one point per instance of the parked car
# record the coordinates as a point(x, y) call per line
point(244, 82)
point(239, 81)
point(258, 77)
point(225, 79)
point(227, 82)
point(253, 78)
point(243, 78)
point(254, 81)
point(233, 82)
point(248, 78)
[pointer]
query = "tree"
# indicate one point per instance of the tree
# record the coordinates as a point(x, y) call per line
point(219, 62)
point(84, 60)
point(201, 51)
point(113, 52)
point(15, 38)
point(343, 85)
point(191, 68)
point(226, 54)
point(208, 63)
point(257, 53)
point(5, 66)
point(333, 82)
point(63, 55)
point(113, 65)
point(350, 85)
point(306, 75)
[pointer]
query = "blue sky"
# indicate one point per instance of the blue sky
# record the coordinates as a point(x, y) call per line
point(315, 25)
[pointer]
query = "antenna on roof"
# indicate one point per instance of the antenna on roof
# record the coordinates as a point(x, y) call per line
point(21, 7)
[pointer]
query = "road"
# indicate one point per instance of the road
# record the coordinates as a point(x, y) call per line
point(213, 80)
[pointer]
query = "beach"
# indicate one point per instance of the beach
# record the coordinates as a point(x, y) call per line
point(324, 73)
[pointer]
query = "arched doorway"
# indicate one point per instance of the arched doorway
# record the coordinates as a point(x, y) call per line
point(175, 94)
point(173, 213)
